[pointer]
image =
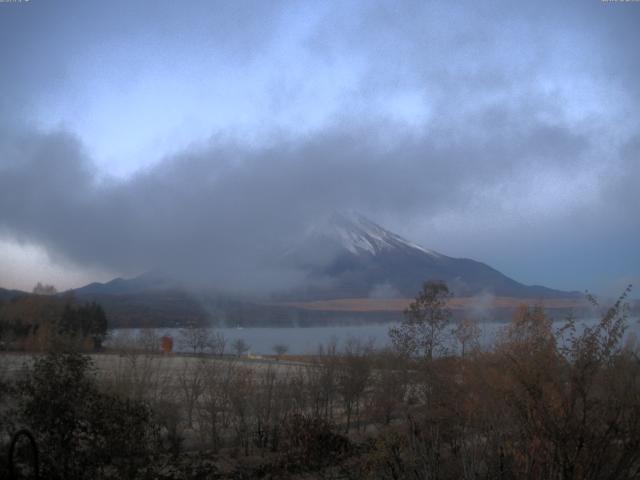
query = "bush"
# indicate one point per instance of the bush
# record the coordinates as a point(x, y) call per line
point(79, 430)
point(311, 442)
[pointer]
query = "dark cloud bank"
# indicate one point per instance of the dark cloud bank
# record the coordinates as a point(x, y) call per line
point(219, 214)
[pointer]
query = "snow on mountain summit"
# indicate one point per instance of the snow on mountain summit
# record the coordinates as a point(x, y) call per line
point(346, 255)
point(358, 235)
point(349, 256)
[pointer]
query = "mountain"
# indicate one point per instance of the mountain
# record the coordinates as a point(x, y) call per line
point(9, 294)
point(349, 256)
point(151, 281)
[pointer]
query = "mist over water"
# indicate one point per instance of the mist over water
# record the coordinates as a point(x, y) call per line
point(306, 340)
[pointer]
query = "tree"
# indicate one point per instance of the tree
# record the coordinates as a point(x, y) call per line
point(41, 289)
point(280, 349)
point(390, 380)
point(467, 333)
point(38, 321)
point(353, 375)
point(217, 344)
point(240, 347)
point(572, 406)
point(191, 382)
point(84, 321)
point(197, 339)
point(94, 323)
point(148, 340)
point(78, 428)
point(323, 379)
point(424, 321)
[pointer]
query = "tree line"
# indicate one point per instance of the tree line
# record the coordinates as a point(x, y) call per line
point(33, 322)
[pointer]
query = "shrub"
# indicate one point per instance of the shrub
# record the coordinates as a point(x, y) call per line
point(80, 430)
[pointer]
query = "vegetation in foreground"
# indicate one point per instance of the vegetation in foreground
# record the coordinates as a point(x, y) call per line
point(540, 404)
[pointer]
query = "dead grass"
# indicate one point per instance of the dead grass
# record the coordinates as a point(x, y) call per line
point(400, 304)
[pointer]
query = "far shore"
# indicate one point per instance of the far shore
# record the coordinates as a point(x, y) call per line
point(457, 303)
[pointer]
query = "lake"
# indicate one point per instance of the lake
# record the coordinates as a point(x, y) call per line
point(305, 340)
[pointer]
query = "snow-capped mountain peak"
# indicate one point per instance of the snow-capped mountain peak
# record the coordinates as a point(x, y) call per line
point(358, 235)
point(349, 256)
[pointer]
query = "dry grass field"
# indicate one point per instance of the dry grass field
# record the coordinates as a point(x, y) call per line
point(109, 365)
point(458, 303)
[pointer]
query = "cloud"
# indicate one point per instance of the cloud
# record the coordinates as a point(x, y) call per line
point(384, 290)
point(222, 212)
point(491, 131)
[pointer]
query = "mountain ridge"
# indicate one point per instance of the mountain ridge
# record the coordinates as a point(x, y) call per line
point(359, 256)
point(350, 256)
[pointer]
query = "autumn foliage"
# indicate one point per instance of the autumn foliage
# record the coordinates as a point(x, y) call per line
point(36, 322)
point(541, 404)
point(555, 400)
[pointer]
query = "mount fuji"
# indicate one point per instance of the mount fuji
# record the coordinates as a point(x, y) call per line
point(346, 259)
point(349, 256)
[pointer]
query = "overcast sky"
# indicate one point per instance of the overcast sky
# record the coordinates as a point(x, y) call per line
point(201, 136)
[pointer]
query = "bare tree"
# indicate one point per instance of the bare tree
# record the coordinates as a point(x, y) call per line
point(215, 402)
point(426, 318)
point(217, 344)
point(44, 289)
point(389, 386)
point(241, 390)
point(191, 383)
point(264, 405)
point(139, 375)
point(240, 347)
point(467, 333)
point(148, 340)
point(196, 339)
point(354, 373)
point(322, 380)
point(280, 349)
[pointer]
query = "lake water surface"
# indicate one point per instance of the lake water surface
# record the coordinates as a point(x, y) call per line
point(305, 340)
